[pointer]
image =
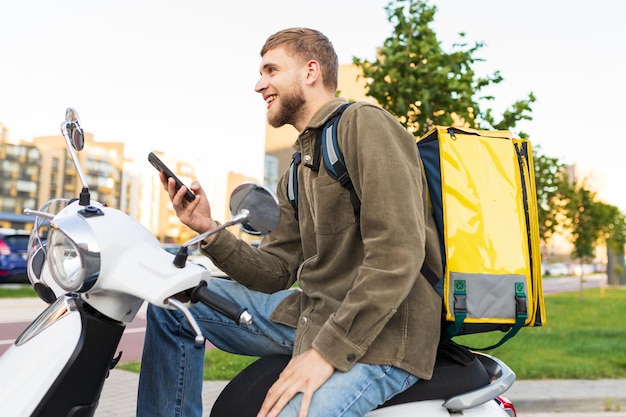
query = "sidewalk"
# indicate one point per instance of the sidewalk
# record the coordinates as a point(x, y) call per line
point(531, 398)
point(572, 398)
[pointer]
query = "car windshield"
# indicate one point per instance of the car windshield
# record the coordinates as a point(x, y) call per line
point(17, 242)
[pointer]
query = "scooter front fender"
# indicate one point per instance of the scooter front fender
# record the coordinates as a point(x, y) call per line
point(59, 363)
point(29, 369)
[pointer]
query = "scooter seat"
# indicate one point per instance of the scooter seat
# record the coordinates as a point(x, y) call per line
point(457, 370)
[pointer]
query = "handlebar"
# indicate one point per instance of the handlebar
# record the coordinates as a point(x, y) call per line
point(203, 294)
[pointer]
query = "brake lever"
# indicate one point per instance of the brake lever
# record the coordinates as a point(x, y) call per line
point(199, 339)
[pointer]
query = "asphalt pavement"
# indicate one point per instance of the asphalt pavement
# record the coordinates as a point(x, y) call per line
point(543, 398)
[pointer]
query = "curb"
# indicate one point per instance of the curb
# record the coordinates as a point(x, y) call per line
point(603, 395)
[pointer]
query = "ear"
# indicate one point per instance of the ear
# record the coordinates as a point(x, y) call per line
point(313, 72)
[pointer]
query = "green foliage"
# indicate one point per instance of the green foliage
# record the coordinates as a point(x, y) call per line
point(422, 85)
point(592, 222)
point(550, 184)
point(585, 227)
point(613, 226)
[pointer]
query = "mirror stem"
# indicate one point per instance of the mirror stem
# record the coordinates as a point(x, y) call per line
point(72, 152)
point(181, 256)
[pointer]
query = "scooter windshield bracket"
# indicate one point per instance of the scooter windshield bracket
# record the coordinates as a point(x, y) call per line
point(91, 211)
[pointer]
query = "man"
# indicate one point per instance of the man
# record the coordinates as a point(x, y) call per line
point(364, 323)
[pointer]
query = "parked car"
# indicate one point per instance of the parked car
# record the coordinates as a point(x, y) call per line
point(585, 269)
point(13, 248)
point(557, 269)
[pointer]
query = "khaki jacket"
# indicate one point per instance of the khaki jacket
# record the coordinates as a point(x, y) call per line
point(362, 295)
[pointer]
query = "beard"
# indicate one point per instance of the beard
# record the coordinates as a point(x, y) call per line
point(290, 107)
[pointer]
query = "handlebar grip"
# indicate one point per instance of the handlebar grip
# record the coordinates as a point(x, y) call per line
point(201, 293)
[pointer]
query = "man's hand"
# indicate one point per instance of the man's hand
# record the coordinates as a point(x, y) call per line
point(305, 373)
point(195, 214)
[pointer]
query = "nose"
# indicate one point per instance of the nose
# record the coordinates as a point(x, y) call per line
point(261, 85)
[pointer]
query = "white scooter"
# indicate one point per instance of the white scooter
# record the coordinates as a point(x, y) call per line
point(96, 281)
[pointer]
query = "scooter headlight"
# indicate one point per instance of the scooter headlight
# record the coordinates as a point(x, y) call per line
point(74, 261)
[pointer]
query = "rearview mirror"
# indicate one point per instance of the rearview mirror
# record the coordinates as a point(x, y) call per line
point(262, 206)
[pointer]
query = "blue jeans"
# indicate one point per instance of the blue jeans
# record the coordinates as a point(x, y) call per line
point(170, 382)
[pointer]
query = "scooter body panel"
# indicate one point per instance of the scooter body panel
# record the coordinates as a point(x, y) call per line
point(434, 408)
point(58, 365)
point(28, 370)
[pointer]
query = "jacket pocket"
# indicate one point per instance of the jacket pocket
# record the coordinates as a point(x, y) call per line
point(332, 208)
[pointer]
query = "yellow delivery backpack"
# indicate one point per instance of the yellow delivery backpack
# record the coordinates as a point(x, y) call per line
point(483, 197)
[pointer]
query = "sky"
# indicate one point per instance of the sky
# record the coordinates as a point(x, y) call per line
point(178, 76)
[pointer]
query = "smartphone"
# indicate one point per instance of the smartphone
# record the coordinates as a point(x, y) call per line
point(161, 167)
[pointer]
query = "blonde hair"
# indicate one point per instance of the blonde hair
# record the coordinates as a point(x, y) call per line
point(308, 44)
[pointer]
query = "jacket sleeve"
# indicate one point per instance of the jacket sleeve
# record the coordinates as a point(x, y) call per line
point(270, 267)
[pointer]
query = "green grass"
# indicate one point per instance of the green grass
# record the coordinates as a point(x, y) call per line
point(218, 365)
point(582, 339)
point(17, 291)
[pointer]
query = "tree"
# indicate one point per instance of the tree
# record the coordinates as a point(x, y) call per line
point(551, 184)
point(614, 235)
point(415, 80)
point(585, 219)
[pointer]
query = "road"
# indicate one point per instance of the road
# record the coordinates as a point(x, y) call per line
point(11, 327)
point(571, 284)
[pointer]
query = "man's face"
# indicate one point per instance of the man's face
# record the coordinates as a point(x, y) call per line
point(281, 87)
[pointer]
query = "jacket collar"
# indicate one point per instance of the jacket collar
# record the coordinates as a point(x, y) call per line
point(320, 117)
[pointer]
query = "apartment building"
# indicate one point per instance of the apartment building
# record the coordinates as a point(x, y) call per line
point(19, 175)
point(32, 173)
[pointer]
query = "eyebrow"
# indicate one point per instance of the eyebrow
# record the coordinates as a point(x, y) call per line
point(267, 65)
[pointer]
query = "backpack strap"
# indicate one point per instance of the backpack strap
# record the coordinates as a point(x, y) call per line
point(460, 313)
point(334, 162)
point(292, 184)
point(333, 159)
